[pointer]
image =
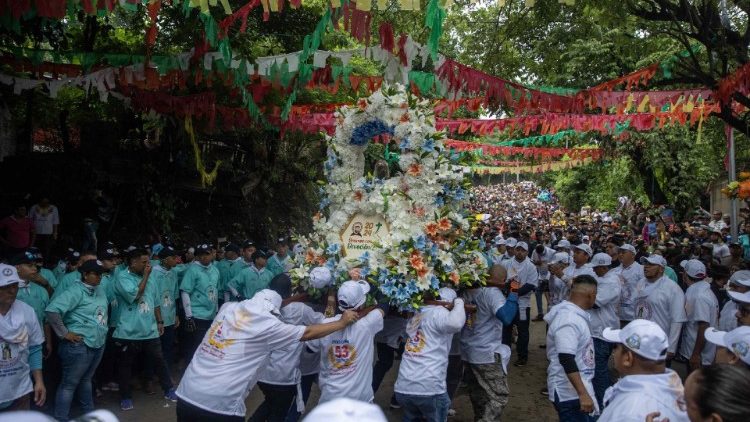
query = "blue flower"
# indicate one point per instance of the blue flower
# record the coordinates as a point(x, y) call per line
point(365, 257)
point(331, 264)
point(363, 133)
point(439, 201)
point(421, 242)
point(333, 249)
point(324, 202)
point(428, 146)
point(405, 144)
point(434, 283)
point(459, 194)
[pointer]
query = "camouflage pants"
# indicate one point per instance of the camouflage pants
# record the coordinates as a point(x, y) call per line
point(487, 385)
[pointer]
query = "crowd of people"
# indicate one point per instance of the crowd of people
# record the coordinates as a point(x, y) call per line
point(641, 294)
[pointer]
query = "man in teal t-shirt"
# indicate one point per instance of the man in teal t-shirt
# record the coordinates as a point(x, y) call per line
point(281, 261)
point(199, 291)
point(34, 290)
point(78, 316)
point(72, 277)
point(252, 279)
point(166, 282)
point(231, 256)
point(139, 325)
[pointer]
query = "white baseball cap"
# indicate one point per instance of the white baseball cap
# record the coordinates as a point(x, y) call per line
point(654, 259)
point(522, 245)
point(346, 410)
point(320, 277)
point(511, 242)
point(741, 277)
point(627, 247)
point(560, 258)
point(645, 338)
point(8, 275)
point(737, 341)
point(601, 260)
point(584, 247)
point(447, 294)
point(564, 243)
point(740, 297)
point(694, 268)
point(499, 241)
point(353, 294)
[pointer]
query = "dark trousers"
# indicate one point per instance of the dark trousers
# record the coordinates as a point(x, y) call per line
point(539, 293)
point(277, 401)
point(128, 351)
point(522, 344)
point(195, 338)
point(570, 411)
point(186, 412)
point(601, 381)
point(454, 375)
point(306, 385)
point(167, 350)
point(386, 355)
point(106, 372)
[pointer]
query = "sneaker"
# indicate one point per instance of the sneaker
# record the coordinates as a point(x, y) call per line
point(395, 404)
point(171, 396)
point(451, 413)
point(544, 391)
point(126, 405)
point(520, 362)
point(111, 386)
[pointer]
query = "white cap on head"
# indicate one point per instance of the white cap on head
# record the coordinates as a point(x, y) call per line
point(740, 297)
point(741, 277)
point(654, 259)
point(268, 300)
point(560, 258)
point(584, 247)
point(353, 294)
point(511, 242)
point(645, 338)
point(499, 241)
point(694, 268)
point(564, 243)
point(523, 245)
point(447, 294)
point(346, 410)
point(737, 341)
point(320, 277)
point(627, 247)
point(601, 260)
point(8, 275)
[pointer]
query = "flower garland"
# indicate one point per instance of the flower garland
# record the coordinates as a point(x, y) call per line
point(423, 205)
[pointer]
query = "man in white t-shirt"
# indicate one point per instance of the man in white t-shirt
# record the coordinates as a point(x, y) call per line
point(570, 350)
point(629, 273)
point(702, 310)
point(346, 356)
point(739, 282)
point(486, 357)
point(581, 255)
point(646, 386)
point(603, 315)
point(421, 384)
point(720, 252)
point(541, 257)
point(661, 300)
point(21, 341)
point(233, 352)
point(522, 270)
point(558, 288)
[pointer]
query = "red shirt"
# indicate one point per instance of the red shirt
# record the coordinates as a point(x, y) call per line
point(17, 231)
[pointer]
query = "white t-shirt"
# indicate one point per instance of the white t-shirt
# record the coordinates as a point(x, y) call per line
point(662, 302)
point(569, 333)
point(346, 359)
point(700, 306)
point(283, 366)
point(19, 330)
point(635, 396)
point(558, 290)
point(525, 272)
point(44, 220)
point(424, 363)
point(629, 278)
point(542, 268)
point(228, 361)
point(392, 332)
point(728, 317)
point(607, 302)
point(482, 334)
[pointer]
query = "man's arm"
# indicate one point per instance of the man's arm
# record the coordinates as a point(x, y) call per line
point(568, 362)
point(143, 283)
point(700, 344)
point(316, 331)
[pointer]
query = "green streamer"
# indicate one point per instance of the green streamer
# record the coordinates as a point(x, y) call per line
point(434, 17)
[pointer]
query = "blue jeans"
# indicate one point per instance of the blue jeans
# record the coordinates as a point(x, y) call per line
point(570, 411)
point(78, 365)
point(601, 381)
point(307, 382)
point(424, 408)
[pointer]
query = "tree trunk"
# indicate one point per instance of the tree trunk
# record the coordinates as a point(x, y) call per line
point(650, 184)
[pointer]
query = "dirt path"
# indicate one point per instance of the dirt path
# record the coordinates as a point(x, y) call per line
point(526, 403)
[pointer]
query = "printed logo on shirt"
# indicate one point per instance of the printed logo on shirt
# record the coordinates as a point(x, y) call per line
point(342, 355)
point(643, 310)
point(101, 316)
point(8, 354)
point(215, 341)
point(211, 293)
point(588, 354)
point(143, 307)
point(166, 300)
point(113, 303)
point(416, 343)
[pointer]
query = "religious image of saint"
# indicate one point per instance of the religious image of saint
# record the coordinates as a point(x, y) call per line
point(356, 230)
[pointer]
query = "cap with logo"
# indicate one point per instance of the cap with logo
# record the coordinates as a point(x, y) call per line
point(203, 249)
point(737, 341)
point(499, 241)
point(694, 268)
point(320, 277)
point(560, 258)
point(353, 294)
point(627, 247)
point(232, 248)
point(106, 254)
point(522, 245)
point(22, 258)
point(584, 247)
point(91, 266)
point(72, 256)
point(601, 260)
point(8, 275)
point(654, 259)
point(645, 338)
point(168, 251)
point(248, 244)
point(741, 277)
point(564, 243)
point(511, 242)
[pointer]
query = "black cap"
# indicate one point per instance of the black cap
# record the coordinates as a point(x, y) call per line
point(247, 244)
point(282, 240)
point(72, 256)
point(90, 266)
point(232, 248)
point(168, 251)
point(260, 253)
point(203, 249)
point(282, 285)
point(107, 254)
point(22, 258)
point(36, 252)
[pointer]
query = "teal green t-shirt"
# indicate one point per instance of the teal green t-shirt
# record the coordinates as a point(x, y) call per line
point(669, 272)
point(166, 282)
point(250, 281)
point(202, 285)
point(277, 265)
point(49, 276)
point(66, 281)
point(59, 270)
point(108, 285)
point(37, 297)
point(137, 320)
point(84, 311)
